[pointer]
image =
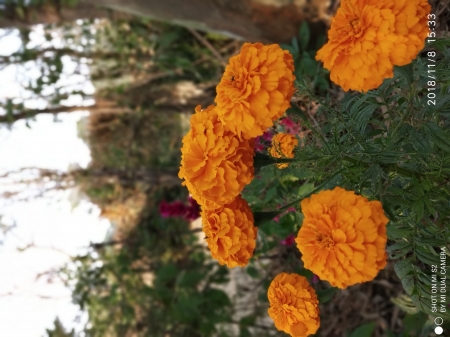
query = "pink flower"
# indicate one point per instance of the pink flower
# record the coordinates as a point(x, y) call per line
point(193, 211)
point(259, 147)
point(289, 240)
point(179, 209)
point(176, 208)
point(290, 126)
point(262, 142)
point(315, 279)
point(267, 136)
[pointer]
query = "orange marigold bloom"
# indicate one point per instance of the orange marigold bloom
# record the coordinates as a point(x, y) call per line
point(215, 164)
point(368, 37)
point(283, 145)
point(343, 237)
point(230, 233)
point(255, 89)
point(293, 305)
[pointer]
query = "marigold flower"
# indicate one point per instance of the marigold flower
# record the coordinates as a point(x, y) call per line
point(230, 233)
point(255, 89)
point(215, 164)
point(293, 305)
point(368, 37)
point(283, 145)
point(343, 237)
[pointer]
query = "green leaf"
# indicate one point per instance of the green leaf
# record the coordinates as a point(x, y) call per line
point(397, 233)
point(408, 284)
point(430, 241)
point(403, 267)
point(289, 48)
point(247, 320)
point(365, 330)
point(270, 194)
point(418, 208)
point(440, 44)
point(189, 278)
point(304, 35)
point(325, 295)
point(217, 297)
point(294, 43)
point(305, 189)
point(412, 324)
point(253, 272)
point(244, 332)
point(296, 111)
point(425, 256)
point(405, 72)
point(166, 273)
point(399, 249)
point(439, 136)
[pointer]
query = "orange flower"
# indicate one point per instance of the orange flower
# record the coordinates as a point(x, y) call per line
point(255, 89)
point(343, 237)
point(215, 164)
point(283, 145)
point(293, 305)
point(368, 37)
point(230, 233)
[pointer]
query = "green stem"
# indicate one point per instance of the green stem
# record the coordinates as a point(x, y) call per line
point(261, 160)
point(395, 168)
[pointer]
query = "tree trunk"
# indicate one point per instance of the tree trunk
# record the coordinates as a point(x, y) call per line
point(250, 20)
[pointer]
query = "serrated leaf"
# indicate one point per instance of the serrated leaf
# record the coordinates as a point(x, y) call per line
point(403, 267)
point(439, 136)
point(430, 241)
point(405, 72)
point(418, 208)
point(424, 278)
point(408, 283)
point(363, 115)
point(425, 256)
point(397, 233)
point(400, 249)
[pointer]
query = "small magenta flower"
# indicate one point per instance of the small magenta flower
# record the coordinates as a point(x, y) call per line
point(267, 136)
point(258, 146)
point(193, 211)
point(315, 279)
point(263, 141)
point(289, 240)
point(290, 126)
point(179, 209)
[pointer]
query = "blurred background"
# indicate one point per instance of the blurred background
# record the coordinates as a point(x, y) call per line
point(98, 237)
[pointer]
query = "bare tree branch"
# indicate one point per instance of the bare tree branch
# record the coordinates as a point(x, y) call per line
point(208, 45)
point(30, 113)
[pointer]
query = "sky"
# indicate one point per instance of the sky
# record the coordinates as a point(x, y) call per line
point(29, 305)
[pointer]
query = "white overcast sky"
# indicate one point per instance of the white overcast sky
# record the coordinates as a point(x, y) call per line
point(48, 223)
